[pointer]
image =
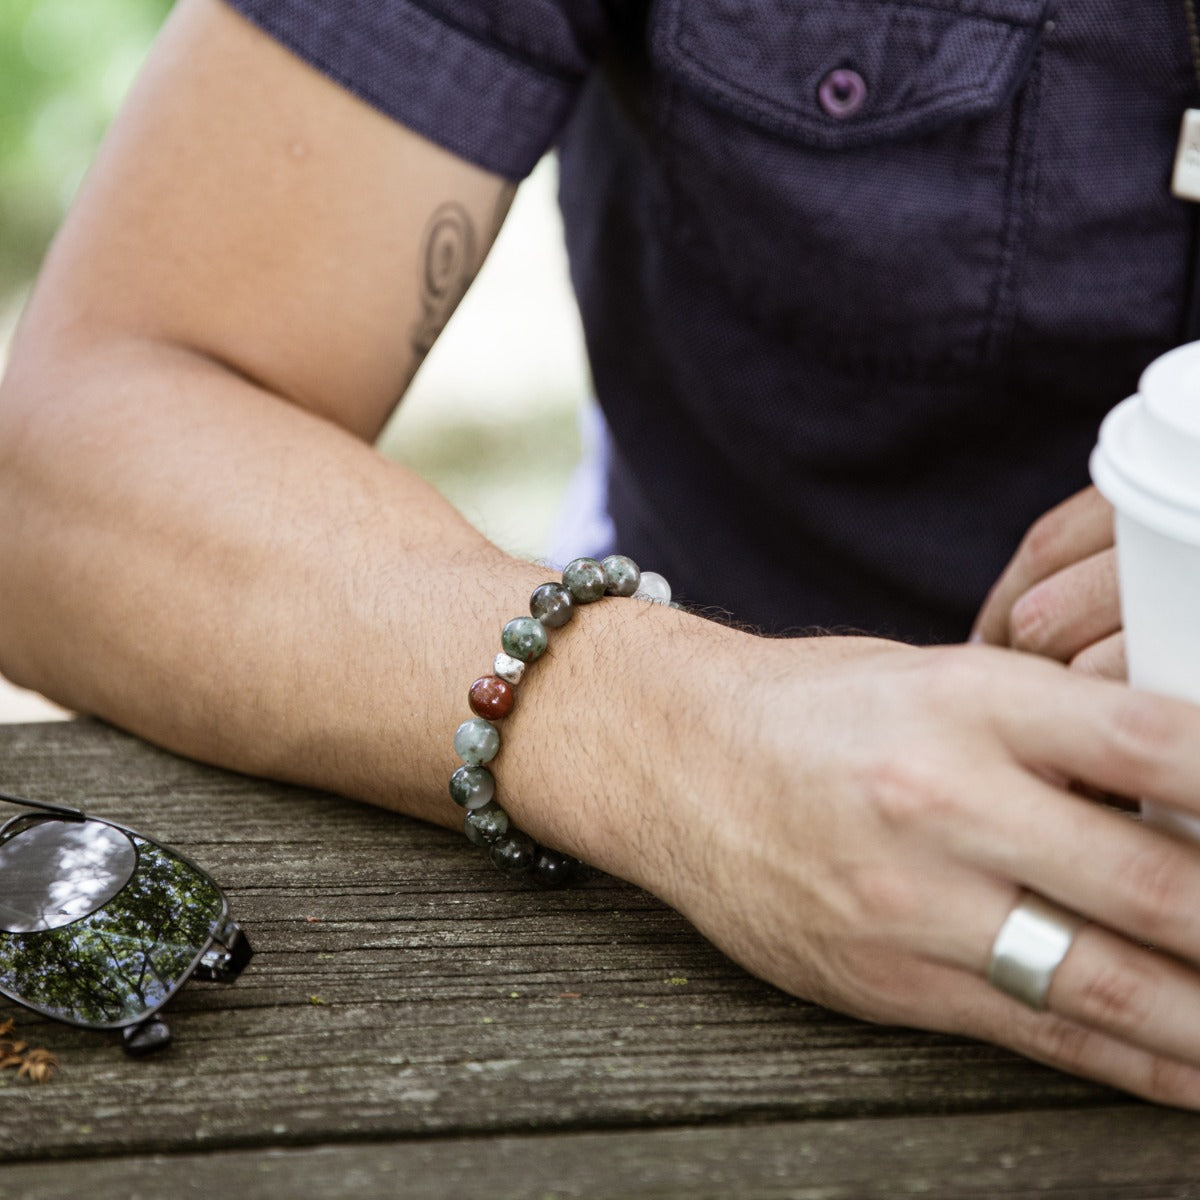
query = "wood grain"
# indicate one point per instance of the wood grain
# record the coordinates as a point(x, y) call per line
point(402, 988)
point(1114, 1154)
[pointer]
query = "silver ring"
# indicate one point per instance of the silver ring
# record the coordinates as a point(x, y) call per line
point(1032, 942)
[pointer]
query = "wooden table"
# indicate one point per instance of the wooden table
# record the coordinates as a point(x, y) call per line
point(413, 1024)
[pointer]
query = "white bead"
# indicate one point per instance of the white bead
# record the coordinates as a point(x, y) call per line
point(653, 587)
point(508, 668)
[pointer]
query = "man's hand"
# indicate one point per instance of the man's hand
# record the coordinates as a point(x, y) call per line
point(868, 814)
point(1058, 596)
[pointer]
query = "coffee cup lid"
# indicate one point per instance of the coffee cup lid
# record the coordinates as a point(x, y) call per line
point(1147, 460)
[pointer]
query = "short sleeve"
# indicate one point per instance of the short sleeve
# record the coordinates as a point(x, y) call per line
point(490, 80)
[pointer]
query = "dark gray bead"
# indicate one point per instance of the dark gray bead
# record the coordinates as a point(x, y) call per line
point(472, 787)
point(584, 579)
point(487, 824)
point(514, 854)
point(524, 638)
point(552, 605)
point(552, 869)
point(622, 575)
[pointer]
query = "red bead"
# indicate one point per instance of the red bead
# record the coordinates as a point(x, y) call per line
point(491, 697)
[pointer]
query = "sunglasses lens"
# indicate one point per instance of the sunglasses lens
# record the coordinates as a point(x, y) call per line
point(55, 872)
point(98, 926)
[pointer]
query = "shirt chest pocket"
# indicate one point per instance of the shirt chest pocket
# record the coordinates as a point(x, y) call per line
point(856, 172)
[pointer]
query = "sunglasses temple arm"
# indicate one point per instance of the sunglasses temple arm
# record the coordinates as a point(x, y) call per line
point(44, 805)
point(225, 958)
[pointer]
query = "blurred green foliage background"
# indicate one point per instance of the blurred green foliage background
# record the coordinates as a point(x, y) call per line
point(64, 67)
point(490, 419)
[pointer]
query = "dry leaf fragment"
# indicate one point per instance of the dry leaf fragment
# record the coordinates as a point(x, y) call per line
point(36, 1065)
point(39, 1066)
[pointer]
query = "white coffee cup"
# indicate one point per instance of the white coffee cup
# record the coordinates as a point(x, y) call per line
point(1147, 465)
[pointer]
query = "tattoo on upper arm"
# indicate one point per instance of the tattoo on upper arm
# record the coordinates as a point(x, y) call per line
point(449, 262)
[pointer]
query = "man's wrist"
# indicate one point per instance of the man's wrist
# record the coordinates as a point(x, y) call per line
point(610, 726)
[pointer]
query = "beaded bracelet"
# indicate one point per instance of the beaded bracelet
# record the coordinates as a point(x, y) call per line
point(477, 741)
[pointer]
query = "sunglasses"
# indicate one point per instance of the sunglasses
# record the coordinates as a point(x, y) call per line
point(100, 926)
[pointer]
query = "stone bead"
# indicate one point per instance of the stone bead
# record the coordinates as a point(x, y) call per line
point(491, 697)
point(486, 825)
point(472, 787)
point(552, 869)
point(552, 605)
point(514, 854)
point(476, 741)
point(621, 575)
point(524, 638)
point(508, 668)
point(584, 579)
point(654, 587)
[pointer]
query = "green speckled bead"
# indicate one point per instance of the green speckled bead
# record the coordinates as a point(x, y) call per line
point(486, 825)
point(476, 741)
point(622, 575)
point(584, 579)
point(524, 638)
point(514, 854)
point(472, 787)
point(552, 605)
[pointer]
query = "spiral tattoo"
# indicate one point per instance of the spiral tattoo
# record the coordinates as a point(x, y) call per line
point(449, 266)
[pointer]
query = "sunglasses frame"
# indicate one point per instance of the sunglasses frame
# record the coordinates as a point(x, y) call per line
point(220, 960)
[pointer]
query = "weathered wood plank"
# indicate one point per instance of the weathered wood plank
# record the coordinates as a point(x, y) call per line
point(1113, 1154)
point(402, 987)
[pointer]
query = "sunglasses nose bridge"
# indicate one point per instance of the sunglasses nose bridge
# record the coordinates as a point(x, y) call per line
point(143, 1039)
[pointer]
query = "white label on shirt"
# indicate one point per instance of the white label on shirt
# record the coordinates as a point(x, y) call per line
point(1185, 183)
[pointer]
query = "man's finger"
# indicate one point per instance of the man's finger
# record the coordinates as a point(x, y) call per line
point(968, 1005)
point(1116, 738)
point(1104, 659)
point(1140, 883)
point(1071, 610)
point(1071, 1045)
point(1077, 528)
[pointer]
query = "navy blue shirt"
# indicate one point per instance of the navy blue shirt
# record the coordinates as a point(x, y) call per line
point(858, 277)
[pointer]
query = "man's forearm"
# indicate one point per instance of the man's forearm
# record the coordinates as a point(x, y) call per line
point(228, 575)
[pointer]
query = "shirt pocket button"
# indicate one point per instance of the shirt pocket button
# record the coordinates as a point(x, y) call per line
point(842, 93)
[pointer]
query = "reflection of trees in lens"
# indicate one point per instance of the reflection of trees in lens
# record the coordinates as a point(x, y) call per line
point(124, 959)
